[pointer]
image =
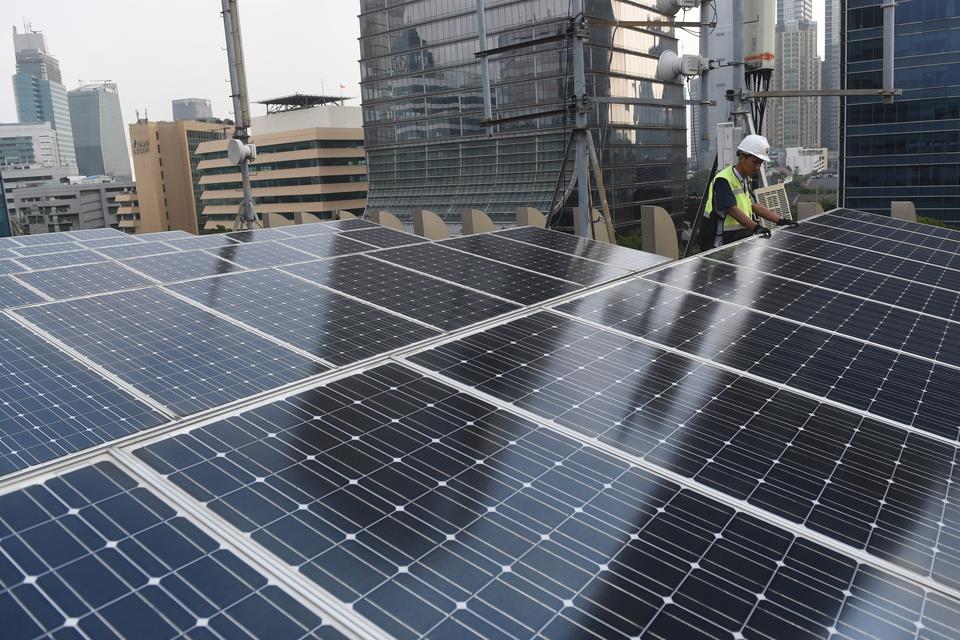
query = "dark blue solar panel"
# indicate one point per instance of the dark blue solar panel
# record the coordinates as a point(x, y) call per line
point(13, 293)
point(35, 240)
point(894, 223)
point(926, 255)
point(328, 325)
point(327, 245)
point(81, 280)
point(199, 242)
point(184, 358)
point(99, 243)
point(435, 515)
point(10, 266)
point(310, 229)
point(65, 259)
point(384, 237)
point(172, 267)
point(917, 235)
point(95, 234)
point(254, 255)
point(43, 249)
point(610, 254)
point(93, 555)
point(51, 405)
point(138, 250)
point(351, 224)
point(257, 235)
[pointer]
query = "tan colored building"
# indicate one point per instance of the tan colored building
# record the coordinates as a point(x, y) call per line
point(165, 164)
point(309, 160)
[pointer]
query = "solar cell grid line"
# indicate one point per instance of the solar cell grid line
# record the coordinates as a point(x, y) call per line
point(65, 259)
point(905, 268)
point(138, 250)
point(383, 237)
point(488, 276)
point(99, 243)
point(257, 235)
point(94, 554)
point(434, 514)
point(866, 484)
point(255, 255)
point(436, 302)
point(43, 249)
point(184, 265)
point(855, 281)
point(52, 405)
point(909, 236)
point(856, 317)
point(545, 261)
point(318, 321)
point(896, 223)
point(183, 358)
point(926, 255)
point(588, 248)
point(327, 245)
point(884, 383)
point(200, 242)
point(83, 280)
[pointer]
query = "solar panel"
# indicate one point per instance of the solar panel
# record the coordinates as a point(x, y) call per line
point(95, 234)
point(257, 235)
point(949, 259)
point(610, 254)
point(434, 514)
point(436, 302)
point(99, 243)
point(327, 245)
point(13, 293)
point(64, 259)
point(350, 225)
point(183, 357)
point(10, 266)
point(545, 261)
point(43, 249)
point(309, 229)
point(384, 237)
point(51, 405)
point(478, 273)
point(93, 554)
point(8, 253)
point(136, 250)
point(254, 255)
point(164, 235)
point(173, 267)
point(894, 223)
point(82, 280)
point(9, 243)
point(200, 242)
point(328, 325)
point(910, 236)
point(42, 239)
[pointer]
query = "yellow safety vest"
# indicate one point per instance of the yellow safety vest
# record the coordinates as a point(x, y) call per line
point(744, 202)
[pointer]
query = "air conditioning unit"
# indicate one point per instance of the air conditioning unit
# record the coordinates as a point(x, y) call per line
point(775, 199)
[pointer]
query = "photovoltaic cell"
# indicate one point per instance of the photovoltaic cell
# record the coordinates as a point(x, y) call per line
point(137, 250)
point(51, 405)
point(182, 357)
point(436, 302)
point(851, 316)
point(610, 254)
point(94, 234)
point(172, 267)
point(870, 485)
point(327, 245)
point(10, 266)
point(892, 233)
point(880, 287)
point(948, 259)
point(254, 255)
point(199, 242)
point(99, 243)
point(43, 249)
point(479, 273)
point(895, 223)
point(164, 235)
point(384, 237)
point(326, 324)
point(310, 229)
point(8, 253)
point(257, 235)
point(899, 387)
point(43, 238)
point(65, 259)
point(350, 225)
point(81, 280)
point(14, 294)
point(435, 515)
point(545, 261)
point(94, 555)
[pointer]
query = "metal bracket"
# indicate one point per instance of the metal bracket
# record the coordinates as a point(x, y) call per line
point(816, 93)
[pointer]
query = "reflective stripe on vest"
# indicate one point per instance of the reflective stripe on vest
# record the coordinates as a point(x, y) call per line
point(744, 203)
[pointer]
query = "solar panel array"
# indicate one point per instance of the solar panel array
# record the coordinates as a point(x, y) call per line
point(342, 430)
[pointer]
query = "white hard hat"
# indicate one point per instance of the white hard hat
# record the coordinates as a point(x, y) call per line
point(755, 145)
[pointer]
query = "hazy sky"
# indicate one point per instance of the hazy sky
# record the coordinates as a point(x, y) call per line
point(164, 49)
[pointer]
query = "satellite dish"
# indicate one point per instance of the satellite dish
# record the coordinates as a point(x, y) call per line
point(236, 151)
point(668, 66)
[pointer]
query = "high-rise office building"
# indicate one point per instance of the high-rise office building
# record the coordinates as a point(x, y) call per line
point(794, 10)
point(192, 109)
point(830, 78)
point(908, 150)
point(33, 144)
point(168, 181)
point(423, 106)
point(98, 136)
point(39, 92)
point(795, 122)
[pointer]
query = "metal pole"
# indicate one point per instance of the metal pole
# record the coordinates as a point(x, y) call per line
point(484, 65)
point(580, 126)
point(737, 58)
point(889, 15)
point(241, 106)
point(704, 84)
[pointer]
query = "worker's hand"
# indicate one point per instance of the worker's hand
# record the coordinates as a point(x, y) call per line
point(761, 230)
point(787, 222)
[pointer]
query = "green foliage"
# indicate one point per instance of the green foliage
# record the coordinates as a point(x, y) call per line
point(219, 229)
point(630, 242)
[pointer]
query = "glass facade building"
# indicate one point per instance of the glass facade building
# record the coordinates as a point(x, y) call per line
point(908, 150)
point(98, 136)
point(423, 106)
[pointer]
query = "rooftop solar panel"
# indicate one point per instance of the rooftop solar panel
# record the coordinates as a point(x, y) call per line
point(65, 259)
point(164, 235)
point(328, 325)
point(309, 229)
point(257, 235)
point(183, 357)
point(894, 223)
point(908, 236)
point(350, 224)
point(82, 280)
point(93, 554)
point(175, 266)
point(94, 234)
point(545, 261)
point(43, 238)
point(11, 266)
point(42, 249)
point(949, 259)
point(51, 405)
point(327, 245)
point(384, 237)
point(489, 276)
point(136, 250)
point(433, 515)
point(8, 253)
point(9, 243)
point(13, 293)
point(254, 255)
point(436, 302)
point(98, 243)
point(584, 247)
point(199, 242)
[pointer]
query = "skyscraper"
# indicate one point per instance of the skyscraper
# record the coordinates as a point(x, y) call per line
point(34, 144)
point(192, 109)
point(794, 10)
point(423, 105)
point(795, 122)
point(98, 137)
point(39, 92)
point(908, 150)
point(830, 78)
